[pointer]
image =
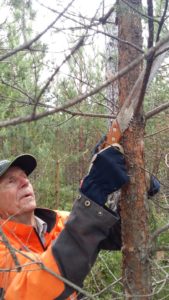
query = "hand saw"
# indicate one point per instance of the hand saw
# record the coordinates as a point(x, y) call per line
point(129, 107)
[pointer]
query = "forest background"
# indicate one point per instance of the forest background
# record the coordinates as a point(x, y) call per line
point(54, 58)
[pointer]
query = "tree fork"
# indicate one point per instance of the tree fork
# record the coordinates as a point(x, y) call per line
point(134, 214)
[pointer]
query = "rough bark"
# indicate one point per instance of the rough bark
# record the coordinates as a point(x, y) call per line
point(135, 231)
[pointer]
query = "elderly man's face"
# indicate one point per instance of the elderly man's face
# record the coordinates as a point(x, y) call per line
point(16, 194)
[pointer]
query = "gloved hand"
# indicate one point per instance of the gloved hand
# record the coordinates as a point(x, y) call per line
point(153, 183)
point(107, 174)
point(154, 186)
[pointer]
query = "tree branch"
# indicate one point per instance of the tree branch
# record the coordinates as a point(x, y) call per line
point(162, 20)
point(161, 248)
point(36, 38)
point(159, 231)
point(104, 18)
point(150, 23)
point(77, 46)
point(72, 102)
point(11, 250)
point(139, 12)
point(157, 132)
point(156, 110)
point(119, 40)
point(66, 281)
point(95, 90)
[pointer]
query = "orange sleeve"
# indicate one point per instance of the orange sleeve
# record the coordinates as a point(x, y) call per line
point(32, 282)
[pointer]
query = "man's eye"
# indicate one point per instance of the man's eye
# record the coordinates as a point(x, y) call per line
point(11, 180)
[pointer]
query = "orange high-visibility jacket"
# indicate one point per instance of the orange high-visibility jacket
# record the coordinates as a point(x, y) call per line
point(29, 269)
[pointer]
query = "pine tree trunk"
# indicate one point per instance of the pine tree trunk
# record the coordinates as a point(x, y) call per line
point(135, 231)
point(57, 184)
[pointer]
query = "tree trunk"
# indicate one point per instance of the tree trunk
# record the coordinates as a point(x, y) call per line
point(110, 28)
point(57, 184)
point(135, 231)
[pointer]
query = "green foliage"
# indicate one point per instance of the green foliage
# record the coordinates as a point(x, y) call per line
point(105, 278)
point(67, 136)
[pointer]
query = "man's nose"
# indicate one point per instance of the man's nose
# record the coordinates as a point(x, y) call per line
point(23, 181)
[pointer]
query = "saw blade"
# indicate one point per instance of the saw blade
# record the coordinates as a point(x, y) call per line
point(130, 105)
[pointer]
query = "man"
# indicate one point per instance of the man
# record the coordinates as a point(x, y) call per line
point(37, 247)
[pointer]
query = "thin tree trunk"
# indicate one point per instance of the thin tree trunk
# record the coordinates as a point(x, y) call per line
point(111, 64)
point(57, 184)
point(135, 231)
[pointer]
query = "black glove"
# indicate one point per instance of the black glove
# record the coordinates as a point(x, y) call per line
point(154, 186)
point(107, 174)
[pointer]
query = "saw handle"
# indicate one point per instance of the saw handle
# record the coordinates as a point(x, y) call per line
point(113, 136)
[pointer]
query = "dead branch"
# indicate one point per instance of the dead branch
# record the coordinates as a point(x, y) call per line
point(119, 40)
point(40, 265)
point(156, 110)
point(159, 231)
point(161, 248)
point(72, 52)
point(157, 132)
point(36, 38)
point(162, 43)
point(77, 46)
point(73, 101)
point(162, 20)
point(150, 23)
point(76, 21)
point(104, 18)
point(11, 250)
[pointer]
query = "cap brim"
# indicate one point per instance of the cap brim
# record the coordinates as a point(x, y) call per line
point(26, 162)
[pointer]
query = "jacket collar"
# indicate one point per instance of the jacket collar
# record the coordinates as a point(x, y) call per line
point(24, 235)
point(48, 216)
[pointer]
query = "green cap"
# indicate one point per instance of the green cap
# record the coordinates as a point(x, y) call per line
point(26, 162)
